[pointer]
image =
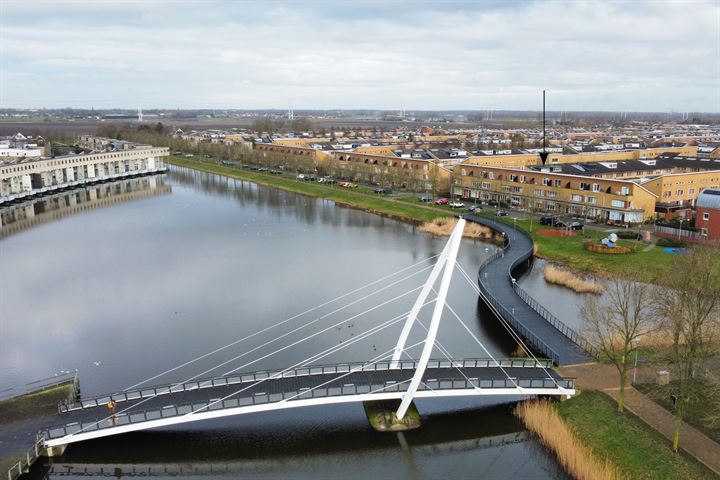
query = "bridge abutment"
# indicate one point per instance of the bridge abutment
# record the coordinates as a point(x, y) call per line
point(55, 451)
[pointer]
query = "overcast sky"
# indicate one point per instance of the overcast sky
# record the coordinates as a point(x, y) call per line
point(594, 55)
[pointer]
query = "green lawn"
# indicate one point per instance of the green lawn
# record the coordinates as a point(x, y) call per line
point(569, 251)
point(638, 451)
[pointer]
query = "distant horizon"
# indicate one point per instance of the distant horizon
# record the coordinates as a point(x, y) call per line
point(386, 110)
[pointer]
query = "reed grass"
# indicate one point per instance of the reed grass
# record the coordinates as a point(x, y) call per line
point(541, 417)
point(443, 227)
point(570, 280)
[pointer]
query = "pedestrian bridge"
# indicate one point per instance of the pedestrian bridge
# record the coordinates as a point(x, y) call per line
point(386, 376)
point(318, 385)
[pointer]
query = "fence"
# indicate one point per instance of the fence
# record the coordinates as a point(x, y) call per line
point(23, 465)
point(554, 321)
point(170, 411)
point(679, 233)
point(298, 372)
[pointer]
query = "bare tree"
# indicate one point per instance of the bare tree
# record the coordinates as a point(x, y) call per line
point(615, 322)
point(688, 302)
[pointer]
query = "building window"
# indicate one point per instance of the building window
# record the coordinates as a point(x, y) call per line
point(591, 200)
point(486, 185)
point(546, 182)
point(595, 187)
point(576, 198)
point(618, 203)
point(706, 216)
point(679, 193)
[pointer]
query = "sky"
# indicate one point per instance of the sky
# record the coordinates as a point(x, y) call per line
point(599, 55)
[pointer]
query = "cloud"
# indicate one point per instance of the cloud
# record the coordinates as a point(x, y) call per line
point(652, 55)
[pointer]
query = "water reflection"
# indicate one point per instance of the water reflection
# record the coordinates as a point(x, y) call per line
point(322, 443)
point(16, 218)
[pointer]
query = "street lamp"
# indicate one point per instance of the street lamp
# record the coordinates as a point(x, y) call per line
point(636, 341)
point(680, 231)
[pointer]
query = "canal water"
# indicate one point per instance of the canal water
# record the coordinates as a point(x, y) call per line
point(128, 280)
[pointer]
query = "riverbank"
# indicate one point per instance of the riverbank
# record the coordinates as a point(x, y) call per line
point(22, 416)
point(593, 441)
point(568, 251)
point(633, 448)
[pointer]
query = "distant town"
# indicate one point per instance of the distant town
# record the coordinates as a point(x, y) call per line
point(622, 169)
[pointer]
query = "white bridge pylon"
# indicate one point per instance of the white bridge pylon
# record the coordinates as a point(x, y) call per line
point(446, 264)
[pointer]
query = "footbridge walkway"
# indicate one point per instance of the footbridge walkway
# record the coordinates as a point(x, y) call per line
point(498, 287)
point(317, 385)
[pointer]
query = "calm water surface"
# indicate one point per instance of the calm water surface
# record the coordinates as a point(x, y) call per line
point(178, 266)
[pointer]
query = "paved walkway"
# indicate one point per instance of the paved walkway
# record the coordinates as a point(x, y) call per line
point(605, 378)
point(494, 280)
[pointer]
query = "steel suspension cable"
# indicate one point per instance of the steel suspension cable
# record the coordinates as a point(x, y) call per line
point(283, 322)
point(511, 331)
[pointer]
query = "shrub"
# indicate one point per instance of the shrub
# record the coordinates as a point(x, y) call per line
point(671, 242)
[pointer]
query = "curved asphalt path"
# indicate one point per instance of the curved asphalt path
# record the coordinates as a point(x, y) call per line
point(494, 279)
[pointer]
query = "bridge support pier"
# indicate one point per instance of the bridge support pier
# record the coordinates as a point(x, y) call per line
point(55, 451)
point(382, 417)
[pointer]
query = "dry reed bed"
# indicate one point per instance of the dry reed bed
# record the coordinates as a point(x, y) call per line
point(570, 280)
point(444, 226)
point(540, 417)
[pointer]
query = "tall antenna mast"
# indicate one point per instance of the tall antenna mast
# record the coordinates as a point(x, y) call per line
point(544, 154)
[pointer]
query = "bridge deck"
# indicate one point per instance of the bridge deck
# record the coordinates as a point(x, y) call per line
point(490, 380)
point(495, 282)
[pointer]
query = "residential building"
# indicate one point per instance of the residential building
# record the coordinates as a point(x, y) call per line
point(707, 214)
point(605, 200)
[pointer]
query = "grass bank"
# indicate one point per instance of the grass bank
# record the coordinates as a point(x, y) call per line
point(356, 198)
point(23, 407)
point(633, 448)
point(567, 251)
point(33, 405)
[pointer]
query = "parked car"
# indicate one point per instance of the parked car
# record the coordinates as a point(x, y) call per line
point(263, 169)
point(301, 176)
point(276, 172)
point(425, 198)
point(441, 201)
point(383, 191)
point(472, 208)
point(547, 220)
point(457, 205)
point(501, 213)
point(576, 226)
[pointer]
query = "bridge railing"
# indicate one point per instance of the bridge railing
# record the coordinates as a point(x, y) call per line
point(262, 398)
point(533, 340)
point(554, 321)
point(251, 377)
point(23, 465)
